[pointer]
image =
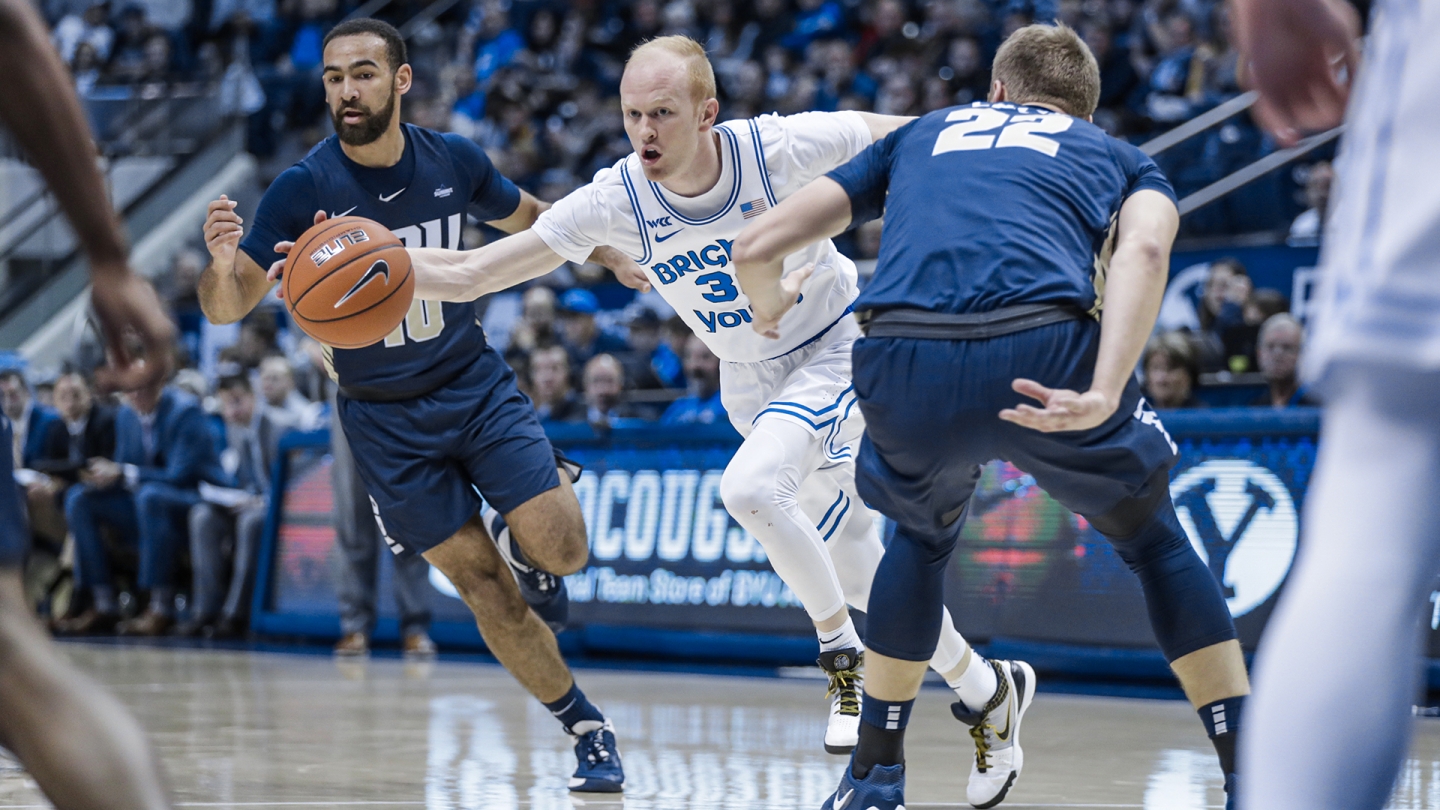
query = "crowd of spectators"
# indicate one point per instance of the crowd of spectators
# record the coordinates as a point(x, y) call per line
point(535, 81)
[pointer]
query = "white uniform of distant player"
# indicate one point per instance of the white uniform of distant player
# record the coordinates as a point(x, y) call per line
point(1337, 670)
point(792, 398)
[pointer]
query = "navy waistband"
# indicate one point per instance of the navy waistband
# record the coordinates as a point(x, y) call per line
point(928, 325)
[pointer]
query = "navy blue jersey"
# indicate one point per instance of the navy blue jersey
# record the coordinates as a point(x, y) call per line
point(423, 199)
point(994, 205)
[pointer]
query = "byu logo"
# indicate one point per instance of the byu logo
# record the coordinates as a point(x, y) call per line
point(1241, 519)
point(663, 222)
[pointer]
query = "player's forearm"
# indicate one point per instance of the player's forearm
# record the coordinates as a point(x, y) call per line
point(449, 275)
point(1134, 288)
point(227, 296)
point(882, 125)
point(40, 107)
point(818, 211)
point(525, 214)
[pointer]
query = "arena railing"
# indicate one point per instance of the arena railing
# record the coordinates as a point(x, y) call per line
point(1244, 175)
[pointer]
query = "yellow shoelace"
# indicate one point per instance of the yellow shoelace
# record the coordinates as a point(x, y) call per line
point(842, 683)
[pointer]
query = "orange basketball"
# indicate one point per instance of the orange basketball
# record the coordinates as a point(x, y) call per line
point(348, 282)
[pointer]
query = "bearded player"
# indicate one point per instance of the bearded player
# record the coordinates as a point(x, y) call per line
point(404, 401)
point(676, 206)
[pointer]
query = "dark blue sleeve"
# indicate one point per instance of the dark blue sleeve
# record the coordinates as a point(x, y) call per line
point(866, 178)
point(492, 195)
point(286, 211)
point(1141, 172)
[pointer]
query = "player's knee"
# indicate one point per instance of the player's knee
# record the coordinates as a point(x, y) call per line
point(747, 495)
point(491, 594)
point(572, 553)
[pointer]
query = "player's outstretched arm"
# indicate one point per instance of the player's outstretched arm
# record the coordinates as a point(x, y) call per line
point(452, 275)
point(818, 211)
point(40, 107)
point(882, 125)
point(1134, 287)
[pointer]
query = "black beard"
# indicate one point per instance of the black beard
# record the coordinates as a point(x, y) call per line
point(370, 128)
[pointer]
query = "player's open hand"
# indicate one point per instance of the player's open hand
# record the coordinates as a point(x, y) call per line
point(277, 268)
point(128, 310)
point(1062, 409)
point(625, 269)
point(768, 307)
point(1303, 57)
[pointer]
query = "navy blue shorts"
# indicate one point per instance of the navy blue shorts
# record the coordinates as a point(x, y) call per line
point(423, 459)
point(14, 534)
point(932, 417)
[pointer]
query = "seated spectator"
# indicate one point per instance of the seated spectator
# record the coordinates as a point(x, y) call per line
point(92, 28)
point(227, 525)
point(1222, 302)
point(702, 403)
point(1171, 372)
point(84, 430)
point(578, 331)
point(1281, 339)
point(604, 391)
point(29, 418)
point(1240, 339)
point(163, 450)
point(277, 385)
point(555, 401)
point(537, 320)
point(1306, 228)
point(650, 364)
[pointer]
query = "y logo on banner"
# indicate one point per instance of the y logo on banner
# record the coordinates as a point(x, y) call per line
point(1241, 519)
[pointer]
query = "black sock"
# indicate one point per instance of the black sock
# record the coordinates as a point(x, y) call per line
point(575, 708)
point(882, 734)
point(1222, 723)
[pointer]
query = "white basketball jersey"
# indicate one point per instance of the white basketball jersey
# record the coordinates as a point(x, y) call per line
point(689, 258)
point(684, 244)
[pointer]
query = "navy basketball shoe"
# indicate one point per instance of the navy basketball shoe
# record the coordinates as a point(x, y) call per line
point(881, 789)
point(544, 592)
point(995, 728)
point(597, 768)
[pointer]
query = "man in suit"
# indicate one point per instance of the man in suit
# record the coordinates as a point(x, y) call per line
point(163, 450)
point(229, 524)
point(82, 431)
point(30, 418)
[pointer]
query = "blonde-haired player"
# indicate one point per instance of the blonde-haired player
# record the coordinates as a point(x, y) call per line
point(676, 206)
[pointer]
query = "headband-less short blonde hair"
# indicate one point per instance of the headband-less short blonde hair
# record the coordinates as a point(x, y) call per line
point(701, 74)
point(1049, 64)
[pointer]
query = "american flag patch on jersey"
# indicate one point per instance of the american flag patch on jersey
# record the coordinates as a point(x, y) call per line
point(754, 208)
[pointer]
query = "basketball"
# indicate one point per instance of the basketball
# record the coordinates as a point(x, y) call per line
point(348, 282)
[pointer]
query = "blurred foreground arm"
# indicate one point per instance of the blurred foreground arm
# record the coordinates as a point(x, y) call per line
point(1303, 57)
point(40, 107)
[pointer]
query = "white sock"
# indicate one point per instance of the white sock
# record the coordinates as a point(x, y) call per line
point(841, 637)
point(977, 684)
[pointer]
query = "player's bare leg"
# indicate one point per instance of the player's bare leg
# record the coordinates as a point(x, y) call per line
point(81, 746)
point(550, 529)
point(512, 632)
point(527, 648)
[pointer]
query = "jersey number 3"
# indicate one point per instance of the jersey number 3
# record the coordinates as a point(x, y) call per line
point(973, 128)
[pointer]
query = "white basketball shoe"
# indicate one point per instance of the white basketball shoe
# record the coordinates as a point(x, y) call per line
point(995, 728)
point(847, 687)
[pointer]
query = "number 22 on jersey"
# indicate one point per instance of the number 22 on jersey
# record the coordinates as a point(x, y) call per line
point(426, 319)
point(976, 128)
